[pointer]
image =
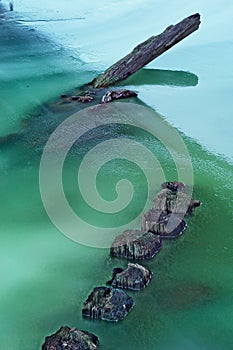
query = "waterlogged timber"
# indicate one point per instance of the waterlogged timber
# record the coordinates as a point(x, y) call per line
point(147, 51)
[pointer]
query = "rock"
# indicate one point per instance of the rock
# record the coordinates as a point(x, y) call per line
point(183, 296)
point(163, 224)
point(176, 202)
point(194, 203)
point(74, 98)
point(73, 339)
point(117, 94)
point(135, 244)
point(80, 98)
point(162, 200)
point(174, 185)
point(135, 277)
point(85, 98)
point(107, 304)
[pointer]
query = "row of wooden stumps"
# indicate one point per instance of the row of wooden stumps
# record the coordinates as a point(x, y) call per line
point(163, 221)
point(111, 302)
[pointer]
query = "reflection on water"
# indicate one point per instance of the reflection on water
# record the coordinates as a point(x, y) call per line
point(50, 20)
point(46, 277)
point(161, 77)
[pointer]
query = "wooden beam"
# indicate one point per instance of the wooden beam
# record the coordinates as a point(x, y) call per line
point(147, 51)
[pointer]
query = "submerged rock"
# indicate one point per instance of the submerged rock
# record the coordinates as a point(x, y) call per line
point(104, 95)
point(163, 224)
point(183, 296)
point(73, 339)
point(135, 244)
point(135, 277)
point(176, 202)
point(107, 304)
point(117, 94)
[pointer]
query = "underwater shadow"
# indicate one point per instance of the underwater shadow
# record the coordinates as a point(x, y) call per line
point(161, 77)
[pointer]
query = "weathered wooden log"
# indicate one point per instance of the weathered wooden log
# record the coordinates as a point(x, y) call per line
point(147, 51)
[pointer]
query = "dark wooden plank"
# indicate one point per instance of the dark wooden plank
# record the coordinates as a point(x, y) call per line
point(147, 51)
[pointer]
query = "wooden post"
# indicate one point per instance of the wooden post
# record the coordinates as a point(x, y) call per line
point(147, 51)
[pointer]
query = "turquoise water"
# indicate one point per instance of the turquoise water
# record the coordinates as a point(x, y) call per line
point(45, 276)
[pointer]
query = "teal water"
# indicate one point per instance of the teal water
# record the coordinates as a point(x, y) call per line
point(45, 276)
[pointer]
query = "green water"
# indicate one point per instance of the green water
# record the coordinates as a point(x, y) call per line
point(45, 277)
